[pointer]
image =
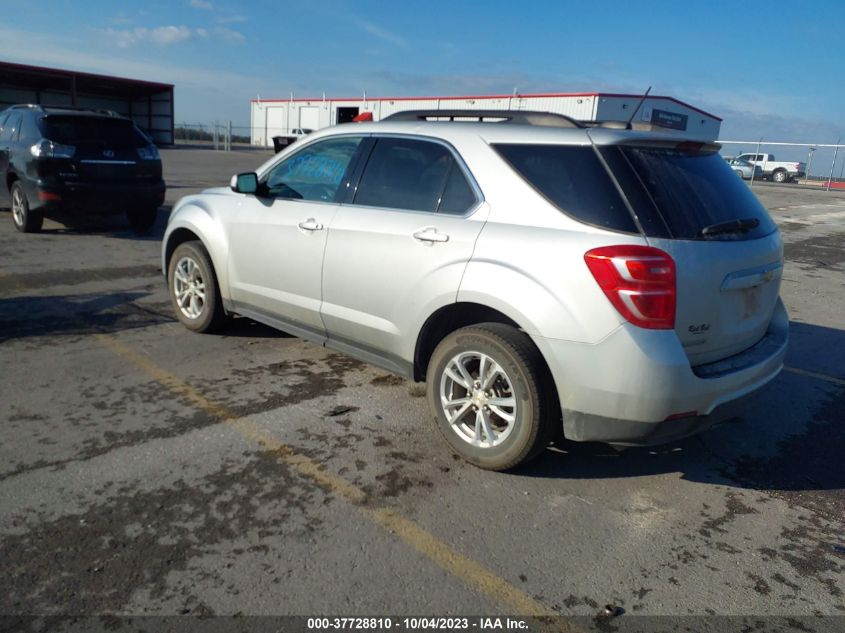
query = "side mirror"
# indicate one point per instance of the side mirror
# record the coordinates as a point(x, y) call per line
point(244, 183)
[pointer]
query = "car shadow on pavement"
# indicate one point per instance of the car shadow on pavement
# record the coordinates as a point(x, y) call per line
point(116, 226)
point(789, 438)
point(30, 316)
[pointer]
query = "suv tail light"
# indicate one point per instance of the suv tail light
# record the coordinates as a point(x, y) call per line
point(49, 149)
point(148, 153)
point(639, 281)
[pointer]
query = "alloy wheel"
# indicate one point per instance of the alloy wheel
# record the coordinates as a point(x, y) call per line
point(18, 207)
point(189, 288)
point(478, 399)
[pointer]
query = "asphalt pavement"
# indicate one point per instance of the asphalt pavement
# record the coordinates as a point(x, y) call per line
point(147, 470)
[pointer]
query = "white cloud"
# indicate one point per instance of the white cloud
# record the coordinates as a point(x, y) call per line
point(380, 33)
point(167, 35)
point(66, 52)
point(202, 4)
point(170, 34)
point(229, 35)
point(164, 35)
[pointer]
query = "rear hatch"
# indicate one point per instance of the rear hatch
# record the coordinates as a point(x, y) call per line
point(106, 149)
point(727, 250)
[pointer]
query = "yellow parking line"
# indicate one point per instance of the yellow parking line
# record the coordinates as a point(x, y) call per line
point(499, 590)
point(814, 374)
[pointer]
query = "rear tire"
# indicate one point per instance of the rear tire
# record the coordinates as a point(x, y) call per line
point(492, 396)
point(193, 288)
point(780, 176)
point(142, 220)
point(25, 219)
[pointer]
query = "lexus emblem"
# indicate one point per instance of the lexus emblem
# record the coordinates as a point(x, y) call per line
point(108, 153)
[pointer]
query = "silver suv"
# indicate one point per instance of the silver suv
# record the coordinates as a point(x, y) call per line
point(536, 273)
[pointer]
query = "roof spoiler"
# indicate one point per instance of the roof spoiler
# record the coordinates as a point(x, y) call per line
point(519, 117)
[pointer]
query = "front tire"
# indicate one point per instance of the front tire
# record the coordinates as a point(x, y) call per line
point(193, 288)
point(25, 219)
point(491, 395)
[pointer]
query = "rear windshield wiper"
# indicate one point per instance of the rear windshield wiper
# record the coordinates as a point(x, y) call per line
point(741, 225)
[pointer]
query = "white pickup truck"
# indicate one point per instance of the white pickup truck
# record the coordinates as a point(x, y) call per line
point(778, 171)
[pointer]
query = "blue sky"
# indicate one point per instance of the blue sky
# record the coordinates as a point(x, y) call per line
point(772, 73)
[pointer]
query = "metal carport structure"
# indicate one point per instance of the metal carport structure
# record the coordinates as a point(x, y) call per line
point(149, 104)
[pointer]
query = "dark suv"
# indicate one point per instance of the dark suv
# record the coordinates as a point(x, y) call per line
point(76, 160)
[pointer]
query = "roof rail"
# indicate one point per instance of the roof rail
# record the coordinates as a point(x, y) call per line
point(519, 117)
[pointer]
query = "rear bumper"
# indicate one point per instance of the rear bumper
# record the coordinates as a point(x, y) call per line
point(103, 198)
point(636, 387)
point(585, 427)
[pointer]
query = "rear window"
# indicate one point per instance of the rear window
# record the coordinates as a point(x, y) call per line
point(574, 180)
point(71, 130)
point(689, 191)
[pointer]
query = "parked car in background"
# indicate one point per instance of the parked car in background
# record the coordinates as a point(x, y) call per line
point(777, 171)
point(744, 169)
point(77, 160)
point(282, 142)
point(538, 275)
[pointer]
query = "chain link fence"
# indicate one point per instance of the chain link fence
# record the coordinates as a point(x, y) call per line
point(224, 136)
point(822, 165)
point(219, 135)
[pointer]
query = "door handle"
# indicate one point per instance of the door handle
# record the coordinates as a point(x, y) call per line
point(310, 225)
point(430, 234)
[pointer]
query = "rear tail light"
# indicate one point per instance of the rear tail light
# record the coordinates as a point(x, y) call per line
point(49, 149)
point(149, 152)
point(639, 281)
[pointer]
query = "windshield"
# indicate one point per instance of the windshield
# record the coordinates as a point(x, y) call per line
point(690, 191)
point(76, 130)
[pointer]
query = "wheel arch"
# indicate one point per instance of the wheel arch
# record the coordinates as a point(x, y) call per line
point(446, 320)
point(177, 237)
point(11, 178)
point(195, 223)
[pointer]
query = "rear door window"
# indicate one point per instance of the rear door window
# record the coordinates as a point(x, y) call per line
point(458, 196)
point(574, 180)
point(690, 191)
point(81, 130)
point(416, 175)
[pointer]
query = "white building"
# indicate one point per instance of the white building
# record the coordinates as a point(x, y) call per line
point(278, 117)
